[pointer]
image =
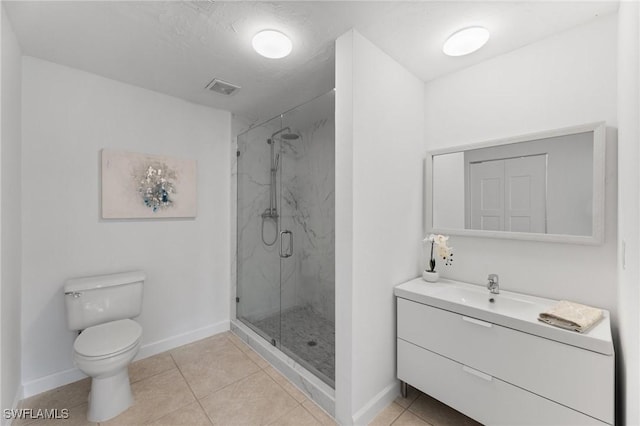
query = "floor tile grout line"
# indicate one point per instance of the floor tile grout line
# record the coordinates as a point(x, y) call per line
point(230, 384)
point(417, 414)
point(321, 409)
point(185, 379)
point(237, 345)
point(280, 386)
point(204, 411)
point(199, 400)
point(222, 388)
point(404, 409)
point(246, 346)
point(165, 414)
point(298, 404)
point(175, 365)
point(286, 413)
point(317, 419)
point(268, 364)
point(191, 390)
point(399, 415)
point(306, 397)
point(212, 392)
point(53, 390)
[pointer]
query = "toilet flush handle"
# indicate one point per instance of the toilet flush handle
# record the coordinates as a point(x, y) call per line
point(75, 294)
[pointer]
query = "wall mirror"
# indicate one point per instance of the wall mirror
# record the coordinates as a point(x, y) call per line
point(547, 186)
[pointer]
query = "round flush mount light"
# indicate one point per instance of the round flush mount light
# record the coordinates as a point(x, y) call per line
point(465, 41)
point(272, 44)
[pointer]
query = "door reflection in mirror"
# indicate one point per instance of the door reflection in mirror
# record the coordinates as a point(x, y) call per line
point(535, 186)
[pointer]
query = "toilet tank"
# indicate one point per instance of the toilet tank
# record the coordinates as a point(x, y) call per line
point(103, 298)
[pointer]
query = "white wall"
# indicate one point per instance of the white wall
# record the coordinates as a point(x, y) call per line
point(379, 162)
point(11, 220)
point(629, 209)
point(566, 79)
point(68, 117)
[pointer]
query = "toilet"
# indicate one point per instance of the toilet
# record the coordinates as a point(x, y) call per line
point(101, 308)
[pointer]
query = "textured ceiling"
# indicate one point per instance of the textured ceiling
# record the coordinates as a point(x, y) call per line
point(177, 47)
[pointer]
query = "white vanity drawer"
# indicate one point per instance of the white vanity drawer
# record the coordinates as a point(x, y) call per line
point(487, 399)
point(575, 377)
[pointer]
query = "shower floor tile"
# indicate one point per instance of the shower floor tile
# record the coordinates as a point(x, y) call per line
point(305, 334)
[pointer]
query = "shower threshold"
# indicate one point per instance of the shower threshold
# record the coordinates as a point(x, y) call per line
point(307, 381)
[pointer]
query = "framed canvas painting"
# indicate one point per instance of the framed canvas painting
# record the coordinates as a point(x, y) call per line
point(144, 186)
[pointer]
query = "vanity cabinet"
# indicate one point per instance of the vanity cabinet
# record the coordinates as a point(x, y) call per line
point(497, 374)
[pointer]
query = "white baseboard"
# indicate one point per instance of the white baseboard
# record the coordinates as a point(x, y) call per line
point(61, 378)
point(164, 345)
point(51, 381)
point(371, 409)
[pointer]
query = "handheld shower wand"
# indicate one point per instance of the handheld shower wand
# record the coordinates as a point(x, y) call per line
point(272, 212)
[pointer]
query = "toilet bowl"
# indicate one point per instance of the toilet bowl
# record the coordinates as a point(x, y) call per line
point(102, 308)
point(104, 353)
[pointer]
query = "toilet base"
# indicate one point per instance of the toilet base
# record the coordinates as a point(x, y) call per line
point(109, 396)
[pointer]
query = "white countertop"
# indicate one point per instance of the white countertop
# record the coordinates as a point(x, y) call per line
point(509, 309)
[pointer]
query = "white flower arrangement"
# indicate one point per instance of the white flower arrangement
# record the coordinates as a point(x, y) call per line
point(443, 250)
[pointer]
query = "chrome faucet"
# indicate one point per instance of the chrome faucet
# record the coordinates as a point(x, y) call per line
point(492, 285)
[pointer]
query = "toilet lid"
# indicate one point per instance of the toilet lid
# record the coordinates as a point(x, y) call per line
point(109, 338)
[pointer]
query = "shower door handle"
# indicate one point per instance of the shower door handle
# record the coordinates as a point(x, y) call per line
point(289, 252)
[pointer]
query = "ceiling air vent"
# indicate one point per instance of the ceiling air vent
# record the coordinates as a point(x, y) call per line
point(222, 87)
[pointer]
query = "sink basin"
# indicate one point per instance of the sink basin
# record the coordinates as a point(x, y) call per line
point(509, 309)
point(507, 304)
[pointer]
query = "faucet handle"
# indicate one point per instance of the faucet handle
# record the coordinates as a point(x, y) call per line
point(492, 285)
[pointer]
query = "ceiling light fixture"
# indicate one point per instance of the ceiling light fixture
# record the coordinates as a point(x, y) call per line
point(272, 44)
point(465, 41)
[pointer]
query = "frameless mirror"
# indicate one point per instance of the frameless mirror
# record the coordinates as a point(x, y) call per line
point(547, 186)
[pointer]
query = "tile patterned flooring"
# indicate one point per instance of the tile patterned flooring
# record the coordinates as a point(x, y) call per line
point(418, 409)
point(222, 381)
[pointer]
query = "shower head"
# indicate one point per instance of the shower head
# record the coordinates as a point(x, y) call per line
point(286, 134)
point(289, 136)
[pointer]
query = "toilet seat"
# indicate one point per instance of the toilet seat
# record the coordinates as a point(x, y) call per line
point(108, 339)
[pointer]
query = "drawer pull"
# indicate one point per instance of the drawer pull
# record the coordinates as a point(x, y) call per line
point(477, 373)
point(477, 322)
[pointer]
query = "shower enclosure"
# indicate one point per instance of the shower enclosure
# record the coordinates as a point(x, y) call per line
point(285, 247)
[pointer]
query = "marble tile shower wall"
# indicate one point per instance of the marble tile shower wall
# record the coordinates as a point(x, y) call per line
point(314, 214)
point(306, 207)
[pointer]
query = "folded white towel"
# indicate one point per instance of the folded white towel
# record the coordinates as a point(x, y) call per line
point(571, 316)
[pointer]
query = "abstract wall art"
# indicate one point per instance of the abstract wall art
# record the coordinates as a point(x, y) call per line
point(142, 186)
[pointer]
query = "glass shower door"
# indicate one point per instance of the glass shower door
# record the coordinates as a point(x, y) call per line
point(286, 234)
point(258, 231)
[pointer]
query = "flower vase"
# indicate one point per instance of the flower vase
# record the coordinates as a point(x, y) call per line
point(430, 276)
